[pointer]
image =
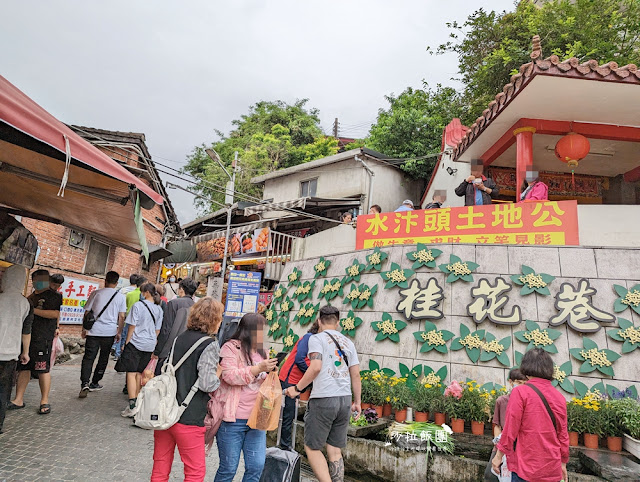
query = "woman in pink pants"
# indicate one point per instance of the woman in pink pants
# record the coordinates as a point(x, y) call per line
point(201, 367)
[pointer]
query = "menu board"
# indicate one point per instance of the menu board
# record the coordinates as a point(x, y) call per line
point(243, 291)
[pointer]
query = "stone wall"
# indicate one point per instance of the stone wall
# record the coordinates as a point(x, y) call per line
point(602, 267)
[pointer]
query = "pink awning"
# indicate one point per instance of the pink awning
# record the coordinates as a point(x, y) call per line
point(22, 113)
point(48, 172)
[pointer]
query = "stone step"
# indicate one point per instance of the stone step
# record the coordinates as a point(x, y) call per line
point(610, 466)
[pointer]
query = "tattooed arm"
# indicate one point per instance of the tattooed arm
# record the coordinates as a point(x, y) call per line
point(310, 375)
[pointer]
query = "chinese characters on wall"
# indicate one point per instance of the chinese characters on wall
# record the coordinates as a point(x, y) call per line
point(540, 223)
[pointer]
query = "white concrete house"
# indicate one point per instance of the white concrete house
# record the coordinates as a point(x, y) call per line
point(348, 181)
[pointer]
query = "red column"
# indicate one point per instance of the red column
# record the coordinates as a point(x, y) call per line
point(524, 154)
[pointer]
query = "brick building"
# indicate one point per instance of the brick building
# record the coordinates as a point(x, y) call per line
point(79, 256)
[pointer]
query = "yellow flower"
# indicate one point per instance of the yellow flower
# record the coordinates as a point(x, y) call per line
point(493, 392)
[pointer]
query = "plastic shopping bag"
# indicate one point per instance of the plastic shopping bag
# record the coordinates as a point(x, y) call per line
point(56, 349)
point(266, 411)
point(149, 372)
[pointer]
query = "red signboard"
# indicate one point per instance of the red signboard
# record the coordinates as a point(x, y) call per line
point(528, 223)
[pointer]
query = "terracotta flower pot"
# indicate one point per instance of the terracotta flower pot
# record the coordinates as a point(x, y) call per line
point(401, 415)
point(305, 395)
point(421, 416)
point(591, 441)
point(477, 428)
point(386, 410)
point(614, 444)
point(440, 418)
point(378, 409)
point(457, 425)
point(573, 439)
point(365, 405)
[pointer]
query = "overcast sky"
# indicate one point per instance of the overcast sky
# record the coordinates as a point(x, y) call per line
point(177, 70)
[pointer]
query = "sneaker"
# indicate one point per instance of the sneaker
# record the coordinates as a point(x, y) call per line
point(127, 412)
point(94, 387)
point(124, 390)
point(84, 391)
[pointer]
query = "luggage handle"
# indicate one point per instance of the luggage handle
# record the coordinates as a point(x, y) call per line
point(295, 421)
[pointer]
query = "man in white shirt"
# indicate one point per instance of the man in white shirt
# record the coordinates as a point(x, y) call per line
point(109, 308)
point(334, 371)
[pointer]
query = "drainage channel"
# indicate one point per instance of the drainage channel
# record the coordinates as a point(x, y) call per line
point(306, 475)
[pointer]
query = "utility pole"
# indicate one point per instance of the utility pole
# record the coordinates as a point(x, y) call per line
point(335, 128)
point(228, 200)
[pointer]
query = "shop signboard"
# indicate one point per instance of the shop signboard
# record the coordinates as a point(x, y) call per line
point(266, 297)
point(75, 293)
point(527, 223)
point(243, 291)
point(251, 242)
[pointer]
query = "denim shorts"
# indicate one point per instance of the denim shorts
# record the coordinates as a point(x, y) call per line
point(326, 422)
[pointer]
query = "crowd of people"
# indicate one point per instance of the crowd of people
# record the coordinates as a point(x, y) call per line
point(477, 190)
point(139, 327)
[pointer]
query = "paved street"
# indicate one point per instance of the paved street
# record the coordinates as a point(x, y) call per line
point(81, 439)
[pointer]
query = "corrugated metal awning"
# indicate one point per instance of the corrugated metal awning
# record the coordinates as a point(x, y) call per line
point(262, 208)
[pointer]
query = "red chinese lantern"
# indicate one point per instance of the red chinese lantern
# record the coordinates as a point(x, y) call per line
point(571, 149)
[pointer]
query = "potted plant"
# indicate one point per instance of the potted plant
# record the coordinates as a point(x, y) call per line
point(612, 425)
point(591, 419)
point(378, 391)
point(438, 406)
point(629, 413)
point(400, 398)
point(574, 421)
point(453, 406)
point(422, 398)
point(367, 388)
point(474, 406)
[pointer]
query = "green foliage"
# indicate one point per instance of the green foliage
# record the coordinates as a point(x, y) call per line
point(612, 414)
point(474, 404)
point(411, 127)
point(425, 396)
point(273, 135)
point(491, 46)
point(400, 394)
point(628, 413)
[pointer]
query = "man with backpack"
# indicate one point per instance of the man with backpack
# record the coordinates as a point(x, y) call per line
point(334, 371)
point(108, 308)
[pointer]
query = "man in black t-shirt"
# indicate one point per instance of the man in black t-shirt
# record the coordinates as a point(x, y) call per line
point(46, 313)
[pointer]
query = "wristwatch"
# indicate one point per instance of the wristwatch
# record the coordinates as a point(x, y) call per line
point(297, 389)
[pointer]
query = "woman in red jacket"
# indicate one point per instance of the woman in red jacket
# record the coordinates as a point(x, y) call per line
point(537, 419)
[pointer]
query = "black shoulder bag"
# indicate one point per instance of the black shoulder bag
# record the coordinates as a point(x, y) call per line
point(153, 318)
point(88, 320)
point(344, 354)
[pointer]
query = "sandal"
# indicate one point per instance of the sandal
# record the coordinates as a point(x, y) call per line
point(45, 409)
point(13, 406)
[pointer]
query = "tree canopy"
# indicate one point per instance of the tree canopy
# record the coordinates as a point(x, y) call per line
point(273, 135)
point(412, 126)
point(491, 46)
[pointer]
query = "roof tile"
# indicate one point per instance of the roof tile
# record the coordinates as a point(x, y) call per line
point(547, 66)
